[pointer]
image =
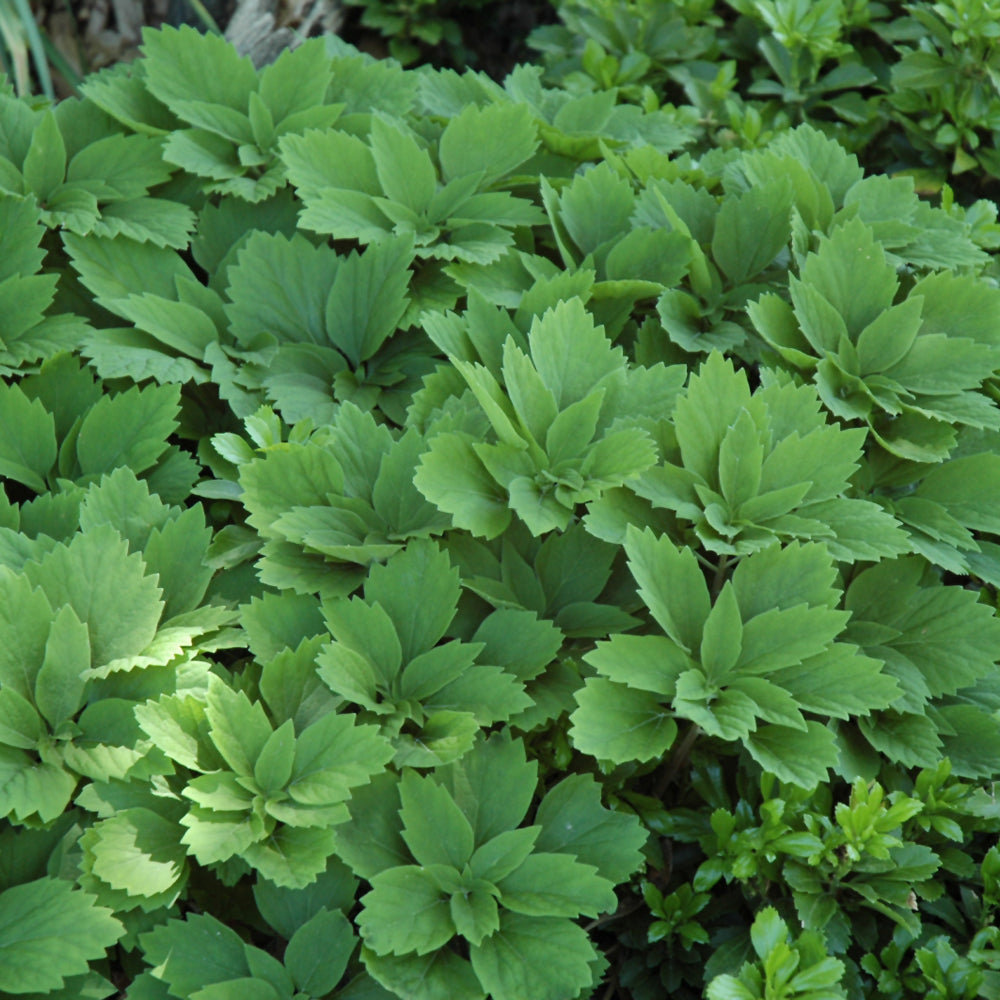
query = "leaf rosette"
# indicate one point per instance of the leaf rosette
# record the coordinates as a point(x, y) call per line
point(448, 861)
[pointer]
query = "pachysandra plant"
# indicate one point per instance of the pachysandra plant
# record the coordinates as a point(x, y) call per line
point(467, 539)
point(563, 434)
point(430, 698)
point(448, 859)
point(740, 665)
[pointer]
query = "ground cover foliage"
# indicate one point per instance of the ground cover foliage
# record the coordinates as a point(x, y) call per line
point(465, 539)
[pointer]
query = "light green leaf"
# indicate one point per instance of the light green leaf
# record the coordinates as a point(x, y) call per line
point(751, 229)
point(333, 756)
point(493, 784)
point(645, 662)
point(404, 169)
point(185, 68)
point(715, 397)
point(722, 638)
point(107, 588)
point(20, 725)
point(783, 576)
point(189, 954)
point(30, 790)
point(850, 272)
point(60, 682)
point(139, 852)
point(504, 853)
point(45, 162)
point(368, 298)
point(292, 857)
point(570, 353)
point(741, 456)
point(494, 140)
point(239, 729)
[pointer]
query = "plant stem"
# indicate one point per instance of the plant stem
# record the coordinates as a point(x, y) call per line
point(720, 576)
point(677, 760)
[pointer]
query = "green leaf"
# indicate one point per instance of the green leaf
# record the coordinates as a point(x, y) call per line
point(574, 821)
point(944, 631)
point(107, 588)
point(421, 568)
point(435, 830)
point(139, 852)
point(192, 953)
point(849, 271)
point(280, 285)
point(294, 474)
point(452, 477)
point(493, 140)
point(372, 842)
point(45, 162)
point(33, 790)
point(722, 638)
point(176, 553)
point(751, 229)
point(25, 618)
point(20, 725)
point(800, 758)
point(404, 169)
point(48, 932)
point(613, 722)
point(239, 729)
point(319, 951)
point(287, 910)
point(596, 207)
point(474, 911)
point(368, 298)
point(28, 449)
point(333, 756)
point(681, 606)
point(645, 662)
point(715, 397)
point(296, 81)
point(60, 682)
point(556, 885)
point(406, 911)
point(185, 68)
point(570, 353)
point(273, 766)
point(128, 429)
point(782, 577)
point(741, 456)
point(504, 853)
point(545, 958)
point(493, 785)
point(440, 975)
point(291, 857)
